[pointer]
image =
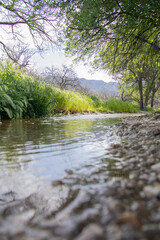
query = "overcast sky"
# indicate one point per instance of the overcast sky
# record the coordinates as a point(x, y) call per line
point(57, 58)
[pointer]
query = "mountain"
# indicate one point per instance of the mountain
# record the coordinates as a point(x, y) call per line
point(99, 86)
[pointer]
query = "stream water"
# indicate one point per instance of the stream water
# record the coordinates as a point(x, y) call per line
point(34, 149)
point(60, 180)
point(37, 153)
point(46, 147)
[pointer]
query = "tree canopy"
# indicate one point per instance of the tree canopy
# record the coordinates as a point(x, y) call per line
point(118, 33)
point(92, 24)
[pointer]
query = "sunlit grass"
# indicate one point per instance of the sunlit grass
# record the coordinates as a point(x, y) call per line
point(69, 101)
point(116, 105)
point(23, 97)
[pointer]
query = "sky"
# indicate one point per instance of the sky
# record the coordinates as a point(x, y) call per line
point(57, 58)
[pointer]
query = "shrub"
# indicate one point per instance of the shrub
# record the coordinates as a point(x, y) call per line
point(22, 96)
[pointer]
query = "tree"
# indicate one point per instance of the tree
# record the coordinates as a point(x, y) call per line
point(140, 82)
point(140, 73)
point(92, 24)
point(19, 54)
point(83, 89)
point(63, 77)
point(23, 20)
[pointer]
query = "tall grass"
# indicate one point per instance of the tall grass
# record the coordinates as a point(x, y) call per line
point(116, 105)
point(21, 96)
point(70, 101)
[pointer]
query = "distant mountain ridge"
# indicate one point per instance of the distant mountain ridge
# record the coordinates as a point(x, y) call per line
point(99, 86)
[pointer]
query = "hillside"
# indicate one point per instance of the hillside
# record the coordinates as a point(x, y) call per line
point(99, 86)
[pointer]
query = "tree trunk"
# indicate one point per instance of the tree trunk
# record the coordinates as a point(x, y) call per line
point(141, 93)
point(147, 96)
point(152, 97)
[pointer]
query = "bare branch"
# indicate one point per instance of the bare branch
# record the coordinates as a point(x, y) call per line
point(63, 77)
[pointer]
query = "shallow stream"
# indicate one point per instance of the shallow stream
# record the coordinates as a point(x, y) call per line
point(61, 180)
point(49, 146)
point(45, 148)
point(34, 149)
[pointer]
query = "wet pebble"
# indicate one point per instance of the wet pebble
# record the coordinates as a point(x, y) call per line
point(57, 183)
point(152, 191)
point(91, 232)
point(129, 218)
point(156, 167)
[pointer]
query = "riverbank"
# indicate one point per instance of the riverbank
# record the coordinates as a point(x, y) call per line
point(122, 201)
point(24, 96)
point(115, 199)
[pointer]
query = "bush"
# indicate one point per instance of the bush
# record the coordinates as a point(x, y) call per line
point(21, 96)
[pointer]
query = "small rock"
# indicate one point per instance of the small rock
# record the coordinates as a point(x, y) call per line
point(132, 160)
point(114, 233)
point(135, 125)
point(129, 218)
point(57, 183)
point(151, 150)
point(156, 132)
point(91, 232)
point(156, 117)
point(115, 145)
point(69, 171)
point(152, 191)
point(156, 167)
point(114, 151)
point(144, 132)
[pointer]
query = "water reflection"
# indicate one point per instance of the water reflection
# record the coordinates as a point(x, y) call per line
point(49, 146)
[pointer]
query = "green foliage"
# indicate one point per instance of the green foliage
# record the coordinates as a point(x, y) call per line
point(130, 25)
point(123, 36)
point(69, 101)
point(119, 106)
point(21, 96)
point(157, 110)
point(149, 109)
point(96, 101)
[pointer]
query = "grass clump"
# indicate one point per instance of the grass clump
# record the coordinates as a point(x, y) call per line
point(70, 101)
point(116, 105)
